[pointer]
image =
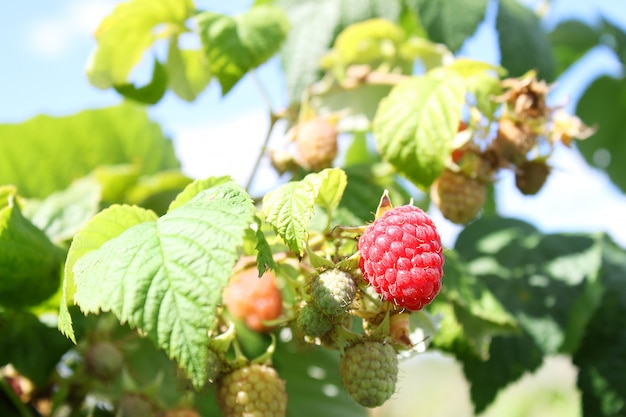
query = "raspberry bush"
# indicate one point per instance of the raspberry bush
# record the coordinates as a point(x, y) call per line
point(129, 288)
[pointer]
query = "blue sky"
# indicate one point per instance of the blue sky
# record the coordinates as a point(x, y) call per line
point(45, 44)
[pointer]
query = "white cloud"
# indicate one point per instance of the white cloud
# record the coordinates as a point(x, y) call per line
point(48, 37)
point(85, 16)
point(228, 147)
point(54, 35)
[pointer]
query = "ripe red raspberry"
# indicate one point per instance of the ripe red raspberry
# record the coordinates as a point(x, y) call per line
point(401, 257)
point(253, 299)
point(369, 371)
point(254, 390)
point(459, 197)
point(316, 141)
point(530, 176)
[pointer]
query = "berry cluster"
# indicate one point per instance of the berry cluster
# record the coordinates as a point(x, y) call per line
point(526, 131)
point(395, 268)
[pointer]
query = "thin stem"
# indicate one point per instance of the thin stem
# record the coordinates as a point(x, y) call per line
point(273, 119)
point(262, 90)
point(21, 408)
point(262, 151)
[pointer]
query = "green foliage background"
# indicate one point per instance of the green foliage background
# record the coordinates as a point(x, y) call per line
point(96, 211)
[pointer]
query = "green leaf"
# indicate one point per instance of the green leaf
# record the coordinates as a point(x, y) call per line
point(32, 347)
point(45, 154)
point(157, 191)
point(477, 310)
point(552, 284)
point(104, 226)
point(570, 40)
point(359, 104)
point(195, 187)
point(290, 207)
point(374, 42)
point(358, 152)
point(264, 258)
point(115, 181)
point(430, 54)
point(329, 185)
point(8, 193)
point(482, 81)
point(63, 213)
point(450, 22)
point(415, 126)
point(538, 278)
point(603, 106)
point(188, 71)
point(30, 265)
point(409, 19)
point(616, 40)
point(601, 357)
point(313, 382)
point(509, 358)
point(314, 25)
point(366, 184)
point(166, 277)
point(124, 36)
point(524, 44)
point(236, 45)
point(150, 93)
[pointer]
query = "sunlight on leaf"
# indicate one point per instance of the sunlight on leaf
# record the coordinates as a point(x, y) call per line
point(416, 123)
point(235, 45)
point(125, 34)
point(290, 207)
point(104, 226)
point(166, 277)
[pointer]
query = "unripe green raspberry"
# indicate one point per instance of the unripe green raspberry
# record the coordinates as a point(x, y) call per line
point(104, 360)
point(252, 391)
point(133, 405)
point(459, 197)
point(333, 291)
point(312, 322)
point(369, 371)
